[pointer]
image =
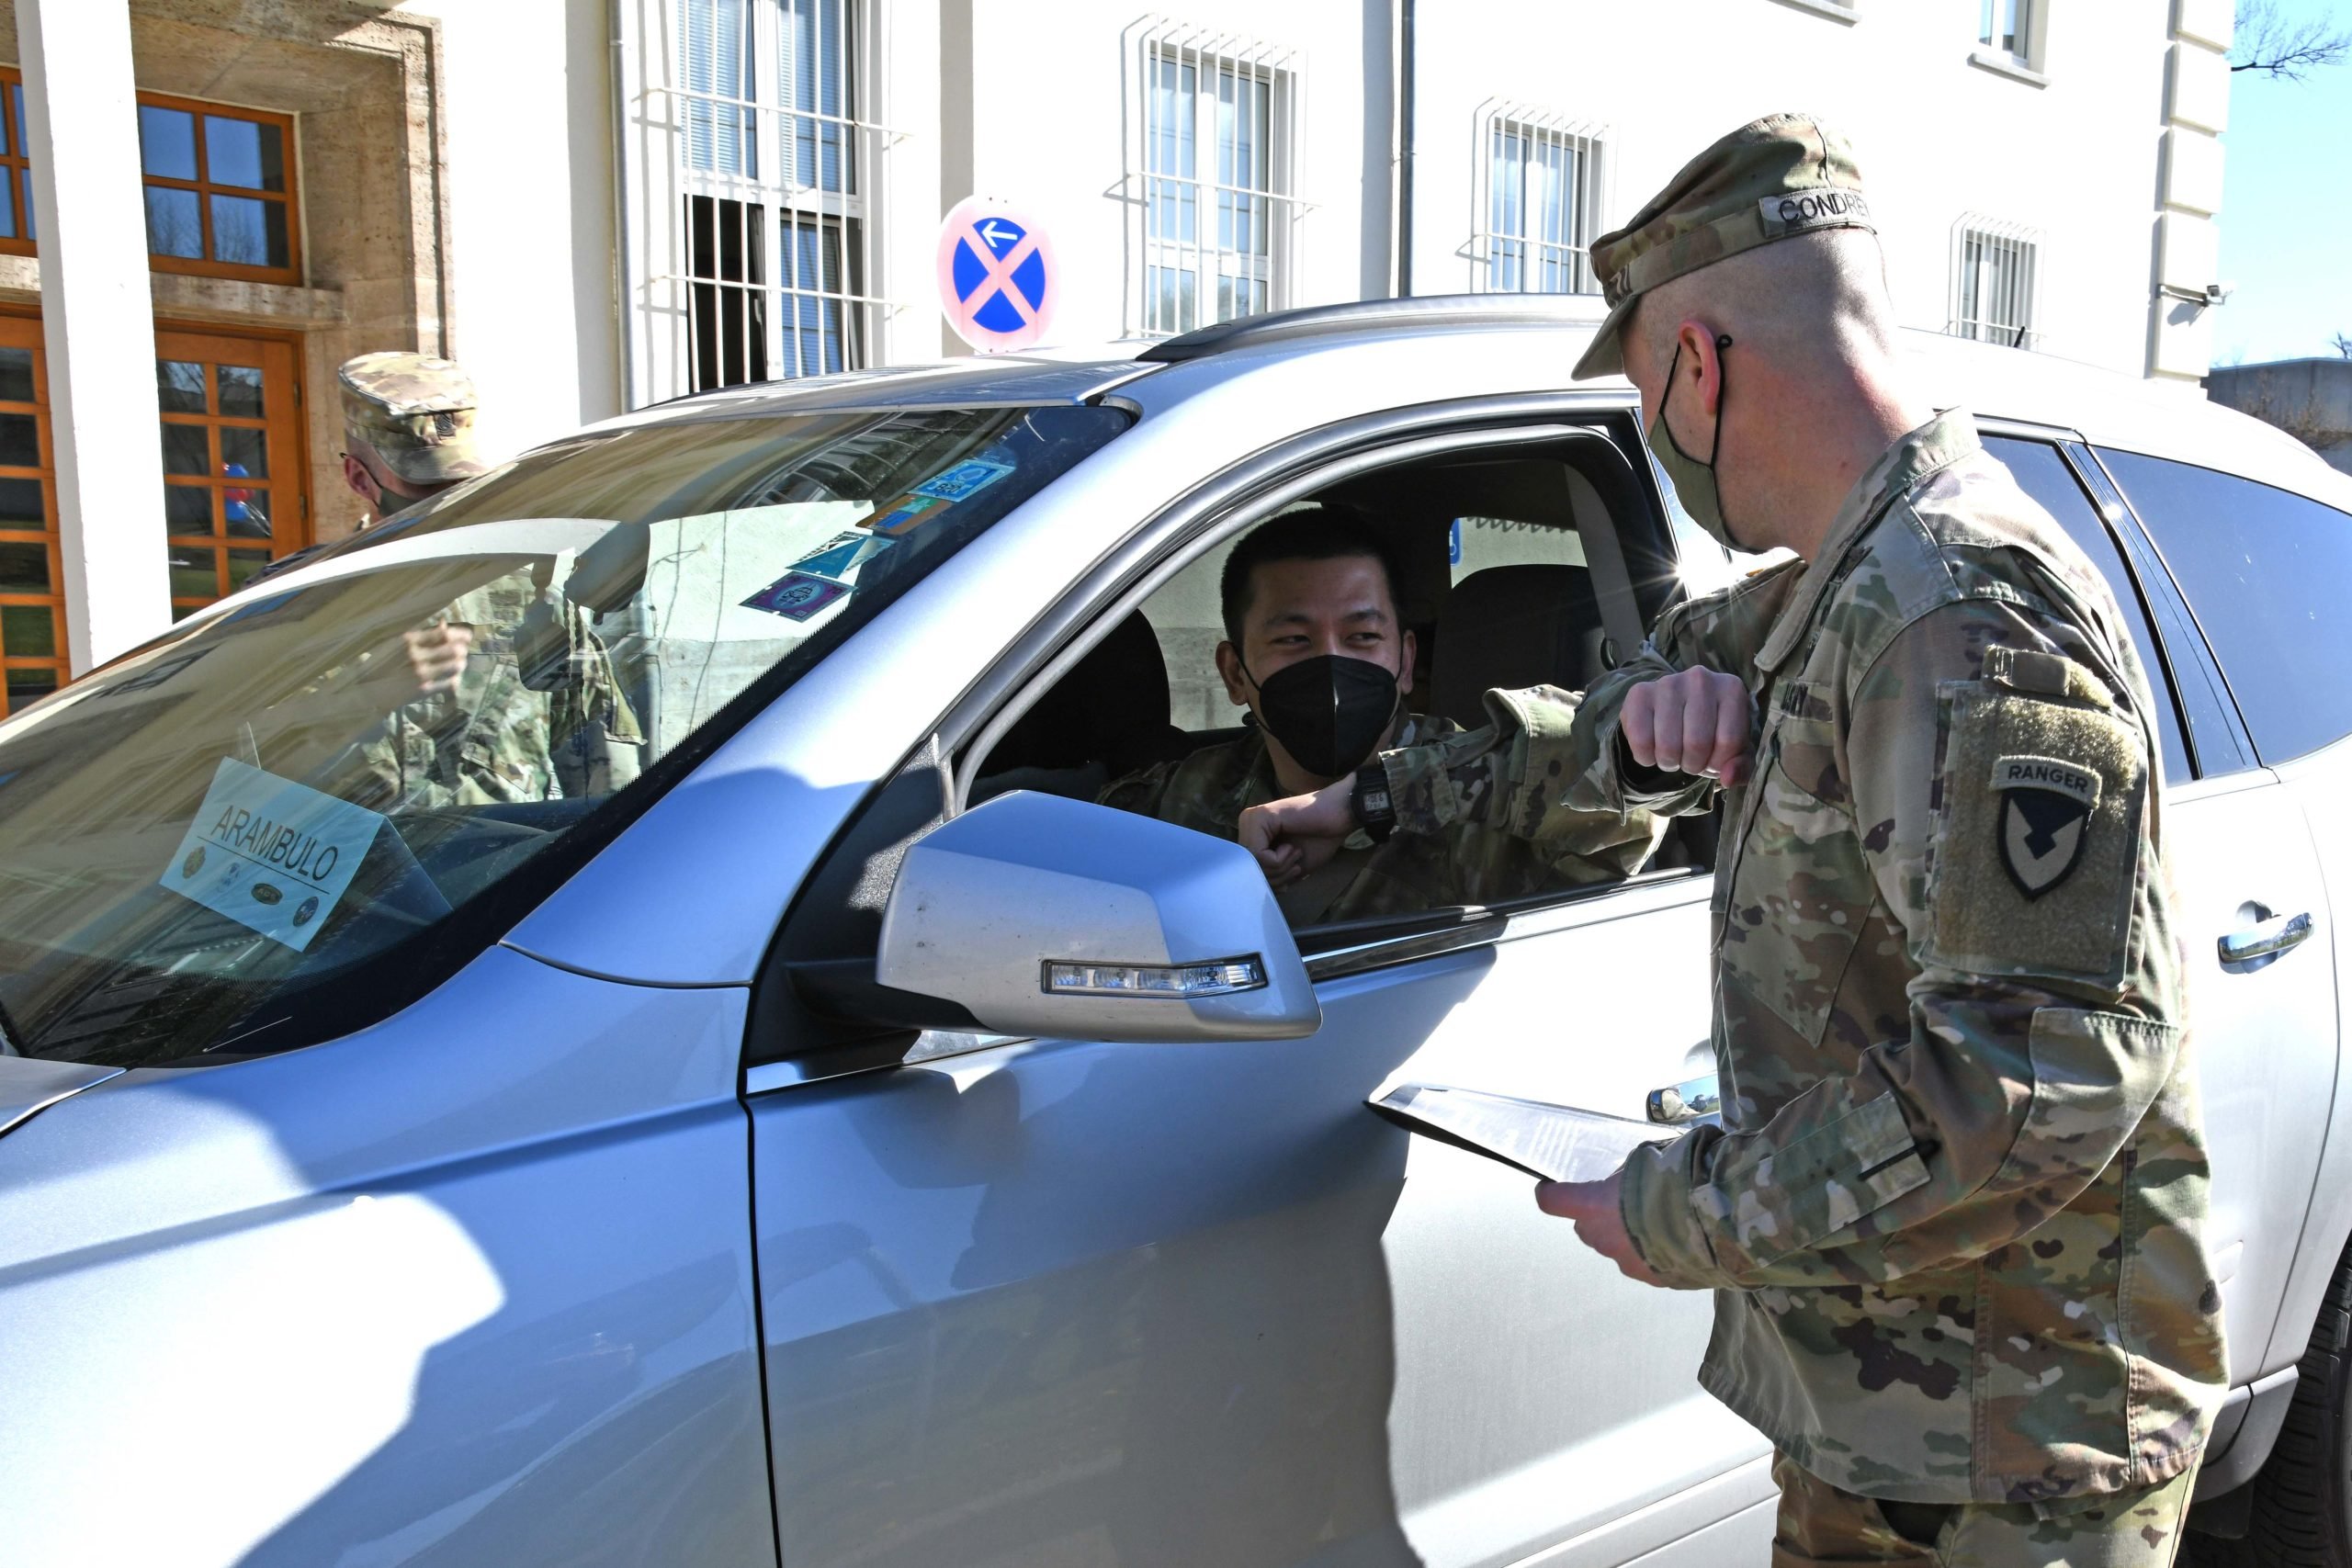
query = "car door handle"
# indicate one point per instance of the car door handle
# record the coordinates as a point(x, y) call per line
point(2264, 937)
point(1686, 1102)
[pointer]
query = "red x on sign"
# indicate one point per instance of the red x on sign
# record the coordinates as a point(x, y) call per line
point(997, 274)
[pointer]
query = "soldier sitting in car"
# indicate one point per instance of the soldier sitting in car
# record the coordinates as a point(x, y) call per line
point(1315, 650)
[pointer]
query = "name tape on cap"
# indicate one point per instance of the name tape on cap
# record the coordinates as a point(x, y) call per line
point(1829, 207)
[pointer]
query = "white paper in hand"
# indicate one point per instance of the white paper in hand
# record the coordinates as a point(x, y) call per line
point(1558, 1143)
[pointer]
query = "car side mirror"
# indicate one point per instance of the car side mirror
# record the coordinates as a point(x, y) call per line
point(1039, 915)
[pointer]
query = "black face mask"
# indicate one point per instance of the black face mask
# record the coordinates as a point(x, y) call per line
point(1328, 712)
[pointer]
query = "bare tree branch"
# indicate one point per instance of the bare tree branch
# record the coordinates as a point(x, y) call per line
point(2342, 344)
point(2269, 42)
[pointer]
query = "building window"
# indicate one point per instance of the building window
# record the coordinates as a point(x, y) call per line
point(32, 602)
point(776, 243)
point(15, 172)
point(217, 182)
point(2006, 28)
point(219, 190)
point(2008, 40)
point(232, 438)
point(1996, 275)
point(1218, 211)
point(1542, 188)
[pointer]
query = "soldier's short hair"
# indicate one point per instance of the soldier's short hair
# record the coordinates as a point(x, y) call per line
point(1319, 530)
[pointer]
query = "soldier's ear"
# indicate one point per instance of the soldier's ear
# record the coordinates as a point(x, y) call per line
point(363, 483)
point(1405, 670)
point(1229, 669)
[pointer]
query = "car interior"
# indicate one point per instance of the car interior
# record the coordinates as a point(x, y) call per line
point(1511, 575)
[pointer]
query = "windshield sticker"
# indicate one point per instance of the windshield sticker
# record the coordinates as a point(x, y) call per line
point(797, 596)
point(901, 515)
point(270, 853)
point(842, 554)
point(963, 480)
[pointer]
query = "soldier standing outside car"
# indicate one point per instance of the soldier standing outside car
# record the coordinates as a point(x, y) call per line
point(516, 696)
point(1953, 1218)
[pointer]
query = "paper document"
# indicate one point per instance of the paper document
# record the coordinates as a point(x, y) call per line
point(1558, 1143)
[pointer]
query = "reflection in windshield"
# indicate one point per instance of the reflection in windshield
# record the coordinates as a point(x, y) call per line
point(295, 815)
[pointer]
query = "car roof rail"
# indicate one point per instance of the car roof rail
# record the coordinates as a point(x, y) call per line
point(1420, 310)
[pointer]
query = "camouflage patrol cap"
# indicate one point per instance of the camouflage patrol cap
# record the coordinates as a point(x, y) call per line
point(414, 411)
point(1784, 174)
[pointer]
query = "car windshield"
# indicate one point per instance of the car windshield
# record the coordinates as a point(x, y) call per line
point(289, 818)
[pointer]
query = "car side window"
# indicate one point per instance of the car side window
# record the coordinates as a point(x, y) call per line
point(2268, 573)
point(1509, 567)
point(2043, 474)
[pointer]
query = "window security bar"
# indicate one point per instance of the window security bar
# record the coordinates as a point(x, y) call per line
point(1540, 190)
point(771, 214)
point(1995, 278)
point(1211, 176)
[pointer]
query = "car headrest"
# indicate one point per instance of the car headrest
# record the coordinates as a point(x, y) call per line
point(609, 572)
point(1112, 707)
point(1514, 626)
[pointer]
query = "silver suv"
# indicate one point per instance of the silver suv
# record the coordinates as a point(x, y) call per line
point(708, 1085)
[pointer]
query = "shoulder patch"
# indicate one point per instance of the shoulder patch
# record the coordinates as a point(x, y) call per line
point(2045, 804)
point(2036, 856)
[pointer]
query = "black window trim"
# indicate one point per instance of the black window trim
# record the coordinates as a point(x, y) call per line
point(2148, 561)
point(2141, 563)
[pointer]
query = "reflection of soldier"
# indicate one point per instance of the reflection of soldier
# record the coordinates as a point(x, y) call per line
point(519, 699)
point(408, 427)
point(1316, 654)
point(1952, 1217)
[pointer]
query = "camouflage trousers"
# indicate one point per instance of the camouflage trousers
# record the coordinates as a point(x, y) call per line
point(1819, 1523)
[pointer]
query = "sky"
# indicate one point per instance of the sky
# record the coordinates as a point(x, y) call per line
point(2286, 226)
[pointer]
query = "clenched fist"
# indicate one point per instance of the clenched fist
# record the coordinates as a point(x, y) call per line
point(1296, 836)
point(1694, 721)
point(437, 655)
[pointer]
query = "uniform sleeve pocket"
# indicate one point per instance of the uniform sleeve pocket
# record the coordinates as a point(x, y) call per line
point(2095, 1075)
point(1820, 1182)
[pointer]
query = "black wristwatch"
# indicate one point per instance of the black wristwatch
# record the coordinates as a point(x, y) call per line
point(1375, 812)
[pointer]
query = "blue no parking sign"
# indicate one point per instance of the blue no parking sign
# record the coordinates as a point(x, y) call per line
point(997, 277)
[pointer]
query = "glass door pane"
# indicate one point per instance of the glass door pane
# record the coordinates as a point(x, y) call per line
point(234, 460)
point(32, 605)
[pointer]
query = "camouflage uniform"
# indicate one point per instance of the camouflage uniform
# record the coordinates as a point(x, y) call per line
point(1952, 1217)
point(1459, 863)
point(539, 711)
point(1819, 1523)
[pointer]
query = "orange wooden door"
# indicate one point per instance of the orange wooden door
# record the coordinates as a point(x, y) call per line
point(234, 459)
point(32, 588)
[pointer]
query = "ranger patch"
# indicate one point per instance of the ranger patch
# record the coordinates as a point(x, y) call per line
point(2044, 818)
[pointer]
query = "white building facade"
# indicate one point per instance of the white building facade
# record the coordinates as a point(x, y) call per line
point(601, 204)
